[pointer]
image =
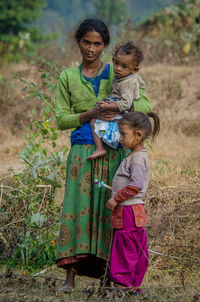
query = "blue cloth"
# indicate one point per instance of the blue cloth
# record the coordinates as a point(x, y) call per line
point(83, 134)
point(108, 132)
point(96, 82)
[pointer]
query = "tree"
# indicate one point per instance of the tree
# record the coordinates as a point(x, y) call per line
point(112, 12)
point(16, 14)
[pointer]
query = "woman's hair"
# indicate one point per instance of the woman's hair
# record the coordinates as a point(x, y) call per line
point(129, 48)
point(140, 121)
point(93, 25)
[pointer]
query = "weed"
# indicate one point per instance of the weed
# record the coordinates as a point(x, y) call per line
point(31, 236)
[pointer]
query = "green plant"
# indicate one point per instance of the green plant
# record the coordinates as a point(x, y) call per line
point(29, 219)
point(29, 207)
point(42, 161)
point(161, 165)
point(36, 246)
point(17, 36)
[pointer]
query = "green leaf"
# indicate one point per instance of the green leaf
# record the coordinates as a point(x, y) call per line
point(52, 87)
point(51, 181)
point(53, 144)
point(33, 173)
point(54, 136)
point(38, 219)
point(60, 158)
point(21, 155)
point(47, 109)
point(44, 131)
point(23, 89)
point(45, 96)
point(53, 154)
point(44, 75)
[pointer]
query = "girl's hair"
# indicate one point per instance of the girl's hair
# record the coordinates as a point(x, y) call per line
point(140, 121)
point(93, 25)
point(129, 48)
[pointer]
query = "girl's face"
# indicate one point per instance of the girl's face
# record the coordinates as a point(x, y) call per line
point(91, 46)
point(131, 138)
point(124, 65)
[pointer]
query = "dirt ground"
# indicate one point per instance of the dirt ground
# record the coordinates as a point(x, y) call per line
point(174, 190)
point(44, 287)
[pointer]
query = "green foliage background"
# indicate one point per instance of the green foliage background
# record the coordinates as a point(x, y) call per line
point(16, 34)
point(15, 15)
point(63, 15)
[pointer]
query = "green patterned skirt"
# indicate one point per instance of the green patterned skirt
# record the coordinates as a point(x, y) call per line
point(85, 224)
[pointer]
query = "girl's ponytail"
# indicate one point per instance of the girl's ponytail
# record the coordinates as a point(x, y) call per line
point(156, 127)
point(139, 120)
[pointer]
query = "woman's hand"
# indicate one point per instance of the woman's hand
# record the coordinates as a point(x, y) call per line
point(107, 106)
point(103, 115)
point(111, 204)
point(106, 116)
point(96, 113)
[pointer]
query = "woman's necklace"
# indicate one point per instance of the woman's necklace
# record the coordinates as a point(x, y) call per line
point(91, 80)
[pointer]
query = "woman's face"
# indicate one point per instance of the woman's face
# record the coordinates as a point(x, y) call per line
point(91, 46)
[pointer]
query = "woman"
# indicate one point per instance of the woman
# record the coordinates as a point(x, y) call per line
point(85, 225)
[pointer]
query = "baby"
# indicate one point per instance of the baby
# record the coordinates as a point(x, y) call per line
point(125, 90)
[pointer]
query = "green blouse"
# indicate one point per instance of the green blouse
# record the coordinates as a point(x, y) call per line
point(73, 97)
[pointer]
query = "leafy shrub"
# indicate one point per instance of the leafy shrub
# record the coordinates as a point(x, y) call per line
point(28, 213)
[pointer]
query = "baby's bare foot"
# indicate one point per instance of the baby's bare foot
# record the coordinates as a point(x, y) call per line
point(96, 154)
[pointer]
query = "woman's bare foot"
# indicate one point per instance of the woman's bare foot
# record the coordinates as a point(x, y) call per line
point(96, 154)
point(69, 283)
point(64, 289)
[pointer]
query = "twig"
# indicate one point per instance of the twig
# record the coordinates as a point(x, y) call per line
point(107, 263)
point(8, 176)
point(45, 191)
point(186, 242)
point(181, 258)
point(53, 109)
point(1, 198)
point(162, 244)
point(13, 189)
point(39, 273)
point(43, 186)
point(11, 223)
point(141, 287)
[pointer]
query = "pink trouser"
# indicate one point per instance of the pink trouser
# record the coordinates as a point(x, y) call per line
point(129, 256)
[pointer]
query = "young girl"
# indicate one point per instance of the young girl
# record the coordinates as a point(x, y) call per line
point(129, 256)
point(125, 90)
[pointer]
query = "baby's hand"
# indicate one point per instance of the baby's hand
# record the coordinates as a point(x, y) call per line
point(106, 116)
point(104, 105)
point(111, 204)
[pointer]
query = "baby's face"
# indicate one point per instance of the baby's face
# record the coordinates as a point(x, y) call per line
point(123, 64)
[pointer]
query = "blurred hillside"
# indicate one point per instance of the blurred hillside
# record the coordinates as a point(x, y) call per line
point(172, 35)
point(166, 33)
point(62, 15)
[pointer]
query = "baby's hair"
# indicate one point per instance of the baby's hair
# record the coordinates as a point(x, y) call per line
point(140, 121)
point(129, 48)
